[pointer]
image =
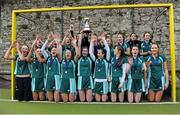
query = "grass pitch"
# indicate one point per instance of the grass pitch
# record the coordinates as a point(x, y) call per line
point(10, 107)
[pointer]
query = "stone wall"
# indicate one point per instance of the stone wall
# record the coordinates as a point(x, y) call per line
point(113, 21)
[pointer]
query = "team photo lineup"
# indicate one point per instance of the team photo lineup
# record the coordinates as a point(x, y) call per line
point(89, 67)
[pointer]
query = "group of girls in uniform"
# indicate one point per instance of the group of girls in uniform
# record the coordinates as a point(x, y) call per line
point(87, 67)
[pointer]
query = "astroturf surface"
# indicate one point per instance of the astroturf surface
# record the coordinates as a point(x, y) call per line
point(9, 107)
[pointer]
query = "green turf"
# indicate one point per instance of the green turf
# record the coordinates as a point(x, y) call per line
point(68, 108)
point(5, 94)
point(178, 95)
point(50, 108)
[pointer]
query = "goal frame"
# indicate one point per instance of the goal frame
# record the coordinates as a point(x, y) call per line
point(169, 6)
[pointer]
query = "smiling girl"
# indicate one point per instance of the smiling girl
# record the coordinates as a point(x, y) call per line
point(22, 71)
point(158, 78)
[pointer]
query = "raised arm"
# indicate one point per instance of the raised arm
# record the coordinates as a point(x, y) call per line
point(91, 48)
point(106, 47)
point(74, 43)
point(7, 54)
point(19, 52)
point(39, 58)
point(67, 32)
point(45, 54)
point(44, 45)
point(31, 51)
point(59, 51)
point(72, 31)
point(50, 37)
point(79, 43)
point(38, 41)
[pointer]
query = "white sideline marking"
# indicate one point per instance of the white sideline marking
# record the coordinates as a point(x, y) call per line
point(91, 114)
point(118, 103)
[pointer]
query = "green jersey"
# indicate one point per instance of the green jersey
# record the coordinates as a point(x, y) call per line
point(101, 69)
point(84, 67)
point(38, 68)
point(156, 66)
point(116, 70)
point(21, 67)
point(53, 67)
point(145, 47)
point(137, 68)
point(68, 69)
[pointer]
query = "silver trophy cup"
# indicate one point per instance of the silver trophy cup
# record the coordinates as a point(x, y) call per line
point(86, 26)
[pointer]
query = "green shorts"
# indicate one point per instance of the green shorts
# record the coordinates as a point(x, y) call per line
point(68, 85)
point(101, 87)
point(52, 83)
point(156, 84)
point(114, 84)
point(136, 85)
point(37, 84)
point(85, 83)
